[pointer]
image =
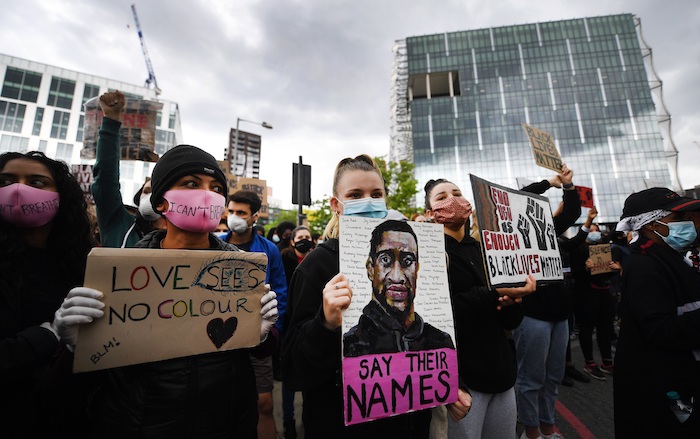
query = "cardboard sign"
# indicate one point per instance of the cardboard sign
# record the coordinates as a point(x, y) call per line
point(162, 304)
point(543, 148)
point(517, 235)
point(383, 377)
point(137, 136)
point(585, 194)
point(83, 175)
point(236, 184)
point(601, 256)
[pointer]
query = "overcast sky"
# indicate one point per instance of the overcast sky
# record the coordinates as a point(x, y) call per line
point(317, 70)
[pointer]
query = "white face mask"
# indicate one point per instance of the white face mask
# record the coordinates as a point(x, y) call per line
point(237, 225)
point(146, 209)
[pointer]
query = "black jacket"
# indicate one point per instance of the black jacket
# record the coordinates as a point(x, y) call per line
point(660, 329)
point(203, 396)
point(311, 358)
point(553, 302)
point(486, 357)
point(32, 288)
point(377, 332)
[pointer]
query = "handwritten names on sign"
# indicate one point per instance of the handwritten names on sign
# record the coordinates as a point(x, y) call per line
point(517, 235)
point(543, 148)
point(162, 304)
point(601, 256)
point(396, 380)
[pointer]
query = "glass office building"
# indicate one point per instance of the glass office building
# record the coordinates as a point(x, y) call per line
point(459, 101)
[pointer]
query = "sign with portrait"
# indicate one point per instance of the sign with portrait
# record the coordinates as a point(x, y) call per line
point(543, 148)
point(517, 235)
point(398, 334)
point(162, 304)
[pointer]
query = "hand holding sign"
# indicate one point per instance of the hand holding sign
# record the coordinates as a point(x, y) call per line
point(80, 306)
point(460, 408)
point(337, 296)
point(268, 312)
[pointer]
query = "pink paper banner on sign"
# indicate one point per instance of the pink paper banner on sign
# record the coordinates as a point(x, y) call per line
point(384, 385)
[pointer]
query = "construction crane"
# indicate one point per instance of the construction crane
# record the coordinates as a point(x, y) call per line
point(151, 80)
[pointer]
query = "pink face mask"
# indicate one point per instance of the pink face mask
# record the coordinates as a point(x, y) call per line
point(26, 207)
point(452, 212)
point(194, 210)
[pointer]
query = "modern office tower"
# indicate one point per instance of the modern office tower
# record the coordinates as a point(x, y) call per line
point(41, 109)
point(244, 156)
point(459, 99)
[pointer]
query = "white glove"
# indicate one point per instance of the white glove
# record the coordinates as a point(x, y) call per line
point(80, 306)
point(268, 312)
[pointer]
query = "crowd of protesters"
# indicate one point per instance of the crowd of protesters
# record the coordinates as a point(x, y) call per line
point(513, 344)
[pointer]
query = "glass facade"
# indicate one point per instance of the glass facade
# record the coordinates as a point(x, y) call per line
point(11, 116)
point(61, 93)
point(584, 81)
point(21, 84)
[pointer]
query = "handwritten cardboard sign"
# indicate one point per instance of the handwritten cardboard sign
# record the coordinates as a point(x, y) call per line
point(517, 235)
point(383, 377)
point(162, 304)
point(601, 256)
point(236, 184)
point(585, 194)
point(83, 175)
point(137, 135)
point(544, 149)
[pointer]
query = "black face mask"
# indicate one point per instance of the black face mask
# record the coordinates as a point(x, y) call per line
point(303, 246)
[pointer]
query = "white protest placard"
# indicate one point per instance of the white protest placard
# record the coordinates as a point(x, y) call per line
point(543, 148)
point(162, 304)
point(398, 334)
point(137, 135)
point(517, 235)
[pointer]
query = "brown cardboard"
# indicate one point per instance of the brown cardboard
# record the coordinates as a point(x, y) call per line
point(162, 304)
point(543, 148)
point(602, 257)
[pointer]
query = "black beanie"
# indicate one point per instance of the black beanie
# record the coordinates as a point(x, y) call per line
point(180, 161)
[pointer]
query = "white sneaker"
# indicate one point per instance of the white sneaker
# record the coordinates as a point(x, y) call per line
point(554, 435)
point(524, 436)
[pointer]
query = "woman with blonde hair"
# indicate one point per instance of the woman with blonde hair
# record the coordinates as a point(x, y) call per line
point(318, 294)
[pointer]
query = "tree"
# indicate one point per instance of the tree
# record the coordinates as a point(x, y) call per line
point(320, 215)
point(400, 185)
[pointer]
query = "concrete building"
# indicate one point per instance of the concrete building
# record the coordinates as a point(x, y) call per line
point(41, 109)
point(459, 99)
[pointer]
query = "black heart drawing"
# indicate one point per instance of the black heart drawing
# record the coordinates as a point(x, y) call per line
point(219, 331)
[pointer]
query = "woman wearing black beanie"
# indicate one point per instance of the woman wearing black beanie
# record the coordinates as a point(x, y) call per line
point(210, 395)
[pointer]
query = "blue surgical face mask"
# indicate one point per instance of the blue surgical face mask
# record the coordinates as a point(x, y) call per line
point(681, 234)
point(365, 207)
point(221, 235)
point(275, 238)
point(594, 237)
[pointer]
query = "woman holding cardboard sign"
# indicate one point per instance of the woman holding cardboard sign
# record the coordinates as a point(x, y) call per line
point(209, 395)
point(44, 240)
point(318, 295)
point(487, 367)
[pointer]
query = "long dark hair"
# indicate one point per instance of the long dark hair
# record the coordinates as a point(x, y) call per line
point(70, 238)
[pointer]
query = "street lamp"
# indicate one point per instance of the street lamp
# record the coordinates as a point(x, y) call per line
point(235, 145)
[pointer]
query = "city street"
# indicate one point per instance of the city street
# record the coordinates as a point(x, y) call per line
point(584, 411)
